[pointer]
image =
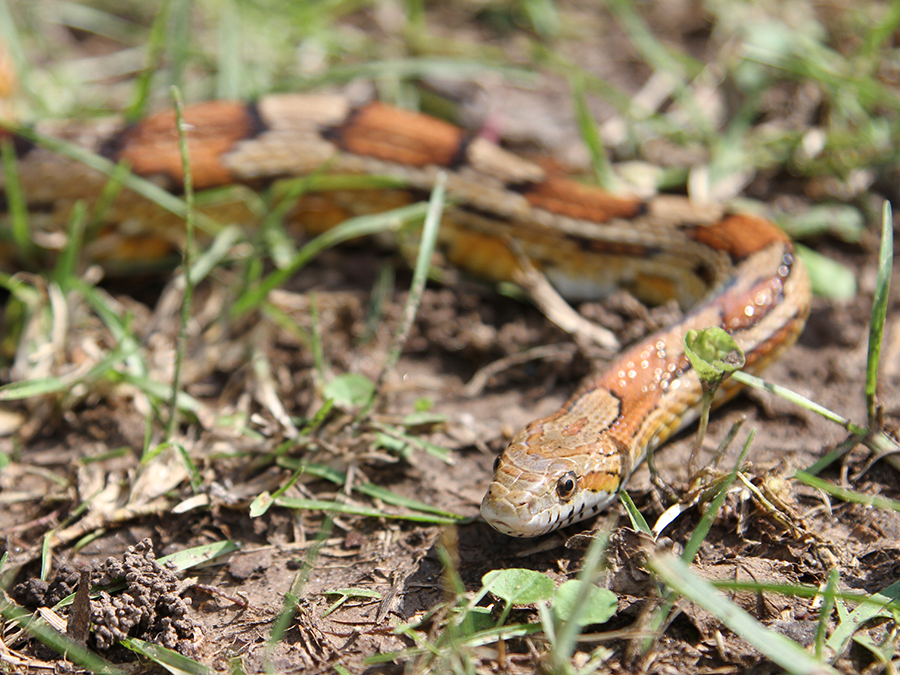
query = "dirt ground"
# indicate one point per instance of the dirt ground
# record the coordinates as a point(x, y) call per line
point(90, 448)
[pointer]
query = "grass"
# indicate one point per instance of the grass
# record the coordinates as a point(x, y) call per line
point(243, 53)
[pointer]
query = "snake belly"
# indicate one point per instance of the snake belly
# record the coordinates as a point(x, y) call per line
point(737, 271)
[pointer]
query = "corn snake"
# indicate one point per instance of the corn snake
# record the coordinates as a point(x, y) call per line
point(559, 469)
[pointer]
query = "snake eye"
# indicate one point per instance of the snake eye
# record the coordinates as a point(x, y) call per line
point(565, 486)
point(497, 462)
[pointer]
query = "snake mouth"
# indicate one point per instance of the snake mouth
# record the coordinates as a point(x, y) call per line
point(514, 514)
point(500, 514)
point(499, 511)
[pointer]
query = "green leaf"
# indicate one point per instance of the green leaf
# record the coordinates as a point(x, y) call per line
point(423, 404)
point(395, 445)
point(481, 618)
point(423, 418)
point(350, 390)
point(17, 207)
point(841, 220)
point(638, 522)
point(519, 586)
point(849, 624)
point(713, 353)
point(261, 504)
point(347, 593)
point(591, 134)
point(198, 555)
point(395, 440)
point(601, 603)
point(829, 278)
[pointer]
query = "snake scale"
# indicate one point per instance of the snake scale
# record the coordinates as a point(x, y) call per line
point(735, 271)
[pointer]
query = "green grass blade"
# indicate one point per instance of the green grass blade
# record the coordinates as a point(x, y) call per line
point(638, 523)
point(215, 254)
point(846, 495)
point(825, 611)
point(662, 59)
point(879, 309)
point(156, 46)
point(172, 661)
point(834, 455)
point(161, 391)
point(399, 442)
point(294, 594)
point(145, 188)
point(17, 391)
point(798, 591)
point(699, 534)
point(798, 399)
point(389, 221)
point(780, 649)
point(880, 31)
point(590, 134)
point(430, 230)
point(478, 639)
point(118, 326)
point(567, 634)
point(23, 292)
point(66, 266)
point(369, 489)
point(231, 66)
point(709, 516)
point(841, 636)
point(16, 203)
point(187, 298)
point(337, 507)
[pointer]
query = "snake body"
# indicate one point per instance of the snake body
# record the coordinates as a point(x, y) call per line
point(736, 271)
point(571, 465)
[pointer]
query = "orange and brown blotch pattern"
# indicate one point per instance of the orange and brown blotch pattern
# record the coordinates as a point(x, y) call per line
point(580, 431)
point(740, 312)
point(151, 147)
point(640, 379)
point(394, 135)
point(603, 481)
point(740, 235)
point(569, 198)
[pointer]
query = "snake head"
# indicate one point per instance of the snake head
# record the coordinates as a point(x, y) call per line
point(545, 480)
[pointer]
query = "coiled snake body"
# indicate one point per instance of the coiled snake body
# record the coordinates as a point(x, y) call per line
point(559, 469)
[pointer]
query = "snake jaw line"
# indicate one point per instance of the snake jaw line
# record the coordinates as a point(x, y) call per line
point(528, 512)
point(537, 489)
